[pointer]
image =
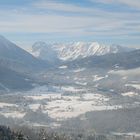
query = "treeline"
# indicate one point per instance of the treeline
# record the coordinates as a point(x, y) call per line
point(29, 134)
point(34, 134)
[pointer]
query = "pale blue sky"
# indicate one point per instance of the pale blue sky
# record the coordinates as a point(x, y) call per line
point(105, 21)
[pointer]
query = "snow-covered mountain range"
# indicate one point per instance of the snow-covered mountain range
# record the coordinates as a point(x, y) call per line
point(72, 51)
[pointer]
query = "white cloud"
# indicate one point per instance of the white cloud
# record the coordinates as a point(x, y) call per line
point(88, 21)
point(131, 3)
point(51, 5)
point(73, 25)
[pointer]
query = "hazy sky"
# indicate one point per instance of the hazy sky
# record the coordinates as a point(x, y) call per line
point(105, 21)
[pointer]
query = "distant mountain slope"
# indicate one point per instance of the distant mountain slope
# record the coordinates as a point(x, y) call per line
point(126, 60)
point(15, 58)
point(17, 67)
point(11, 80)
point(73, 51)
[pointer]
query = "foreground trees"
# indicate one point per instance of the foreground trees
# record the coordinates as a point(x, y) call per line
point(8, 134)
point(29, 134)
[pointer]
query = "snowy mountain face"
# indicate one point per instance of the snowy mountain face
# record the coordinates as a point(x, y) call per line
point(44, 52)
point(72, 51)
point(122, 60)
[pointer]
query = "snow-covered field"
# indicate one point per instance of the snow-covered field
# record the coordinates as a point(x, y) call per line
point(63, 67)
point(66, 102)
point(6, 105)
point(57, 105)
point(130, 94)
point(62, 107)
point(10, 110)
point(13, 114)
point(79, 70)
point(71, 89)
point(126, 72)
point(97, 78)
point(137, 86)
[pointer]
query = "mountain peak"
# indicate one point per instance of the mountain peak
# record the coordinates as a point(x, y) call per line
point(3, 39)
point(16, 57)
point(72, 51)
point(44, 51)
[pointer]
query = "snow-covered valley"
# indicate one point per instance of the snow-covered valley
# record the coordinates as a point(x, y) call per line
point(53, 104)
point(74, 85)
